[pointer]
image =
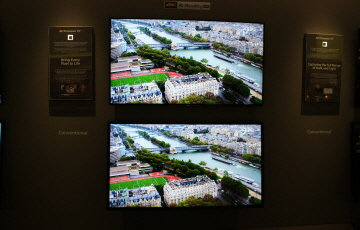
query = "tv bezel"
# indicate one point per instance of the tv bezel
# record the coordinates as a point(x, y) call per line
point(261, 124)
point(190, 19)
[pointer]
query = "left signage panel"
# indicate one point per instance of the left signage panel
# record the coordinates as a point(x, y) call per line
point(71, 63)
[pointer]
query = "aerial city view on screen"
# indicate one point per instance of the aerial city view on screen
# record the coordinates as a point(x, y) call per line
point(186, 62)
point(185, 165)
point(0, 134)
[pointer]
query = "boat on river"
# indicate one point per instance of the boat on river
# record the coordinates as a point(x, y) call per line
point(242, 178)
point(222, 160)
point(224, 58)
point(255, 166)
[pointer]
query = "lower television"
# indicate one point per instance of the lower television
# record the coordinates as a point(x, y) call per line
point(185, 165)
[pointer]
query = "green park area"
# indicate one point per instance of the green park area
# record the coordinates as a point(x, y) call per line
point(135, 80)
point(138, 183)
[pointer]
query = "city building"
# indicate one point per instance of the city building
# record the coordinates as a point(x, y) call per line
point(117, 148)
point(118, 43)
point(179, 87)
point(123, 64)
point(129, 168)
point(145, 92)
point(115, 154)
point(117, 49)
point(144, 197)
point(179, 190)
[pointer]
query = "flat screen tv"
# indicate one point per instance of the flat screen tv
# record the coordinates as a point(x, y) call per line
point(155, 61)
point(0, 68)
point(1, 152)
point(159, 166)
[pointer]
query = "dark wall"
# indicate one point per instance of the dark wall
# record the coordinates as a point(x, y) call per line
point(59, 182)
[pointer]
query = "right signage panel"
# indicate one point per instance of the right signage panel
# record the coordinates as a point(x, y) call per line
point(323, 64)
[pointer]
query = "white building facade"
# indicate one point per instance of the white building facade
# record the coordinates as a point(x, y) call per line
point(179, 87)
point(144, 197)
point(145, 92)
point(179, 190)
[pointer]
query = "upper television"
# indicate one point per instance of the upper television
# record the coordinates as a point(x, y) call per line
point(0, 67)
point(157, 61)
point(185, 165)
point(1, 152)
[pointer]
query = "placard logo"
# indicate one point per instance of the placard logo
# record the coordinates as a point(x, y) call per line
point(180, 5)
point(171, 5)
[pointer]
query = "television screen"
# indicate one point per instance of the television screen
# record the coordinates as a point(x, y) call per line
point(1, 150)
point(185, 165)
point(155, 61)
point(0, 68)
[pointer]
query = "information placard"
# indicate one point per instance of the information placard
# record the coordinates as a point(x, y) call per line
point(323, 64)
point(357, 81)
point(71, 63)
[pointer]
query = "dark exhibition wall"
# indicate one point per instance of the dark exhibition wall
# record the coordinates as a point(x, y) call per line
point(53, 181)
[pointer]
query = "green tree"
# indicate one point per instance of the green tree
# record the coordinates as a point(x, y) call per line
point(236, 84)
point(136, 102)
point(124, 158)
point(204, 60)
point(126, 144)
point(256, 100)
point(255, 201)
point(164, 155)
point(235, 186)
point(253, 57)
point(202, 163)
point(161, 85)
point(242, 191)
point(192, 99)
point(252, 158)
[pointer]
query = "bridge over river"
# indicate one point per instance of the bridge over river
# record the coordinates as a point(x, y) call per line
point(198, 148)
point(183, 45)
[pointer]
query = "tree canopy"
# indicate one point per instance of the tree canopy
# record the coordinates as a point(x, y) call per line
point(253, 57)
point(251, 157)
point(236, 84)
point(202, 163)
point(235, 186)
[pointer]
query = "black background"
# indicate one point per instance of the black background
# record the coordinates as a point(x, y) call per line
point(52, 181)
